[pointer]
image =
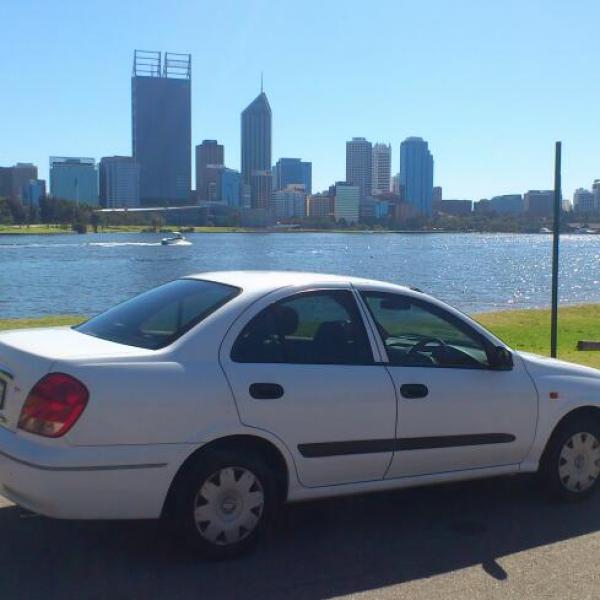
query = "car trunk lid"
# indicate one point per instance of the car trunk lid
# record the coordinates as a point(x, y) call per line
point(27, 355)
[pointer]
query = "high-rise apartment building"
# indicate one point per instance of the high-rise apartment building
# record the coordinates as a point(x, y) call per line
point(119, 182)
point(74, 178)
point(584, 201)
point(14, 179)
point(382, 169)
point(292, 171)
point(319, 207)
point(416, 174)
point(289, 203)
point(210, 161)
point(256, 151)
point(346, 202)
point(162, 126)
point(539, 203)
point(359, 165)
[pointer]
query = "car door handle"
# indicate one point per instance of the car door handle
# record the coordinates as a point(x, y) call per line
point(266, 391)
point(414, 390)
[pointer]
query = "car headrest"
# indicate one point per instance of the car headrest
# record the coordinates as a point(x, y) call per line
point(286, 318)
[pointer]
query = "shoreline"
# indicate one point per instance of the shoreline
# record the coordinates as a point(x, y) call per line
point(52, 230)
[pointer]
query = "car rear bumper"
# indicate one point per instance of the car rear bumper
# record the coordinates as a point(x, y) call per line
point(91, 482)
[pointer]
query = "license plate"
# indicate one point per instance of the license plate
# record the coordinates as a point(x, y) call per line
point(2, 393)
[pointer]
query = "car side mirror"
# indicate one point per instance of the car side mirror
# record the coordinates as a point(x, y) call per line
point(502, 359)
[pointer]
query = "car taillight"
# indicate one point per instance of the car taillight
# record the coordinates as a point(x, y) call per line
point(53, 405)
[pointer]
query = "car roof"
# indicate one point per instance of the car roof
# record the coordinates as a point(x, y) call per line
point(270, 280)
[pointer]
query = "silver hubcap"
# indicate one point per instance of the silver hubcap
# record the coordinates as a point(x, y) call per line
point(579, 462)
point(228, 506)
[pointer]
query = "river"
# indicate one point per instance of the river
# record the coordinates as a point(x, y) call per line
point(84, 274)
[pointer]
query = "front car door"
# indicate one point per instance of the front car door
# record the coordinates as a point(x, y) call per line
point(455, 412)
point(302, 366)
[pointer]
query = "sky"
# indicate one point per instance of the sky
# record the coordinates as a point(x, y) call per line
point(490, 85)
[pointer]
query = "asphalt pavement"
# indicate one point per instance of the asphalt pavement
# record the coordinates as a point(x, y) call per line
point(500, 538)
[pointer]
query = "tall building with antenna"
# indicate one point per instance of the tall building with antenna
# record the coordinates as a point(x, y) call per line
point(161, 122)
point(256, 150)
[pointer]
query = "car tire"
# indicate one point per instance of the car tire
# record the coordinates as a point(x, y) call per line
point(570, 465)
point(224, 502)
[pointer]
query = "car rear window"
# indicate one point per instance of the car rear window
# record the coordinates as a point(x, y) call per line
point(159, 316)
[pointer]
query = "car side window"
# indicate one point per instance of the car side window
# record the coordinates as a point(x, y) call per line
point(416, 333)
point(321, 327)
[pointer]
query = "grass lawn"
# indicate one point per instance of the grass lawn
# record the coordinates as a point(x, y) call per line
point(520, 329)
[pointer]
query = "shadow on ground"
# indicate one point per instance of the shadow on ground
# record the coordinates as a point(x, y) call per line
point(317, 550)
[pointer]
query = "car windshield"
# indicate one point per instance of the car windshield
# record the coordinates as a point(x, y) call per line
point(159, 316)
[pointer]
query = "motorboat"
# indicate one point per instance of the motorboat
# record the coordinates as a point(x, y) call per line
point(177, 239)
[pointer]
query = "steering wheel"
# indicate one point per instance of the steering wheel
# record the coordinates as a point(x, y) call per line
point(421, 345)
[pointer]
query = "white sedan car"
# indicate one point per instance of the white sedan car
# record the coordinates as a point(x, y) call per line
point(217, 397)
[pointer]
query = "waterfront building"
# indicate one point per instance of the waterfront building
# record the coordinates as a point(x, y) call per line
point(396, 184)
point(256, 151)
point(584, 201)
point(14, 179)
point(162, 126)
point(319, 206)
point(346, 202)
point(210, 161)
point(539, 203)
point(382, 169)
point(508, 204)
point(436, 195)
point(229, 188)
point(74, 178)
point(359, 165)
point(292, 171)
point(456, 208)
point(119, 182)
point(33, 191)
point(289, 203)
point(416, 174)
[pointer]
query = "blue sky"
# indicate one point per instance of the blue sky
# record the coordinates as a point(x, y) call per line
point(490, 85)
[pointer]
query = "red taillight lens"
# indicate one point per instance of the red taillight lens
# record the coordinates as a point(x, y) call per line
point(53, 405)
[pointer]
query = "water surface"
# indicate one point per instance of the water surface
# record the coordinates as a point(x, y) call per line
point(52, 274)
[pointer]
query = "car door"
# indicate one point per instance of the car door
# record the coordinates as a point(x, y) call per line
point(301, 366)
point(455, 411)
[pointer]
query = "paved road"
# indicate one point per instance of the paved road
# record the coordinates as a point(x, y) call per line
point(492, 539)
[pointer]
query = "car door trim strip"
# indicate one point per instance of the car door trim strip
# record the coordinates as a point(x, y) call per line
point(323, 449)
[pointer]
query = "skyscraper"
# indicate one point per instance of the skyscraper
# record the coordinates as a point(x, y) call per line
point(382, 168)
point(210, 161)
point(119, 178)
point(416, 174)
point(359, 165)
point(256, 151)
point(74, 178)
point(162, 126)
point(292, 171)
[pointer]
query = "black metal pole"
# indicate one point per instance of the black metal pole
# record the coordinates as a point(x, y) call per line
point(555, 247)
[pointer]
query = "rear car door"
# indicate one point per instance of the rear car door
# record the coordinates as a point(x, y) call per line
point(302, 367)
point(455, 411)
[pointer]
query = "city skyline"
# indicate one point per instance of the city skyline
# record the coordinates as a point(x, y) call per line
point(489, 105)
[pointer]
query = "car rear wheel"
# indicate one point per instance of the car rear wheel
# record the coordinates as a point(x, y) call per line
point(571, 463)
point(224, 503)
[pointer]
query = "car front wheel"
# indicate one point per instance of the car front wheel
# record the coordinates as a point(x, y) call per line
point(224, 503)
point(571, 463)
